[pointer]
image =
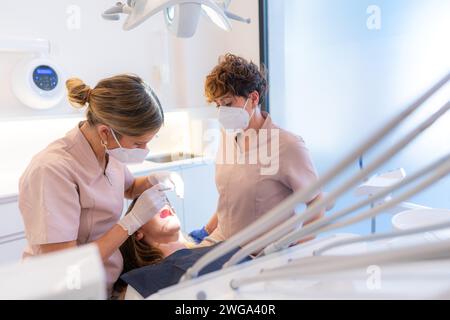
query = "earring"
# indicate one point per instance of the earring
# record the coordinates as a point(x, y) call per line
point(105, 145)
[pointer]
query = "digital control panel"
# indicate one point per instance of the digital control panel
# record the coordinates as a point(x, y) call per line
point(45, 78)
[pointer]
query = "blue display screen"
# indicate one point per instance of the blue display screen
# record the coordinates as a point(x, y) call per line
point(44, 71)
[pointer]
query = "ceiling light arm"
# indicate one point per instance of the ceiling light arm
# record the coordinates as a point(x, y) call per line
point(232, 16)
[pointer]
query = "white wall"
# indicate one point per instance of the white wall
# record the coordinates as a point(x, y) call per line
point(100, 48)
point(97, 49)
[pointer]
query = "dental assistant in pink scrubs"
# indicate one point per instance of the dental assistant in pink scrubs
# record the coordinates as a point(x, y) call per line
point(259, 164)
point(72, 192)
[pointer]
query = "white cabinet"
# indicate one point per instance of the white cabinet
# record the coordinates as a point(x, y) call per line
point(11, 220)
point(11, 251)
point(200, 201)
point(178, 205)
point(12, 236)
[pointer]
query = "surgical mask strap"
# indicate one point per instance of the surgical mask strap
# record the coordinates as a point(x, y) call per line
point(245, 107)
point(115, 138)
point(246, 102)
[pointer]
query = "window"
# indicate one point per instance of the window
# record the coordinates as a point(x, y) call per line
point(340, 69)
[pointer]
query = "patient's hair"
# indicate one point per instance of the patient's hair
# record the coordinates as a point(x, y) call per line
point(125, 103)
point(236, 76)
point(137, 253)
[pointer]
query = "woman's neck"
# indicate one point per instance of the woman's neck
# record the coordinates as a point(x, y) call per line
point(94, 141)
point(171, 245)
point(257, 121)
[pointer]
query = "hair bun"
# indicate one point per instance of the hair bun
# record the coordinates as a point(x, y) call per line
point(78, 92)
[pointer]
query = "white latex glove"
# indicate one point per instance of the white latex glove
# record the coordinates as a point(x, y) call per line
point(150, 203)
point(170, 180)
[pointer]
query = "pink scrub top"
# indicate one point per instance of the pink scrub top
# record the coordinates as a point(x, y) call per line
point(246, 192)
point(64, 196)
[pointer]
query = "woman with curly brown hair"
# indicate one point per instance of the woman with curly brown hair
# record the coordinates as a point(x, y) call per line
point(250, 179)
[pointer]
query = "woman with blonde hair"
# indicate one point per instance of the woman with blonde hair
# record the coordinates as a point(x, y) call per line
point(72, 192)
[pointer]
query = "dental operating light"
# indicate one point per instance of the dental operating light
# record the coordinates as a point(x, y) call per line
point(181, 16)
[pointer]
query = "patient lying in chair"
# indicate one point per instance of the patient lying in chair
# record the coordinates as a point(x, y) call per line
point(158, 255)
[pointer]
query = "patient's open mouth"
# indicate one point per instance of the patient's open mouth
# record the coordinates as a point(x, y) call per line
point(165, 213)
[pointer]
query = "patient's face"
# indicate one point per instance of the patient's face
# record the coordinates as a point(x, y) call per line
point(164, 224)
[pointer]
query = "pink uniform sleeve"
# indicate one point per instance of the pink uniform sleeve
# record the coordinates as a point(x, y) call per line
point(50, 205)
point(297, 170)
point(129, 178)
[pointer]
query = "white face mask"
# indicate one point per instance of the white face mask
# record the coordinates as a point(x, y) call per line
point(233, 118)
point(127, 156)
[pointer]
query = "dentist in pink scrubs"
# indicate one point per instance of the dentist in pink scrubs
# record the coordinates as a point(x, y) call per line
point(72, 192)
point(248, 184)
